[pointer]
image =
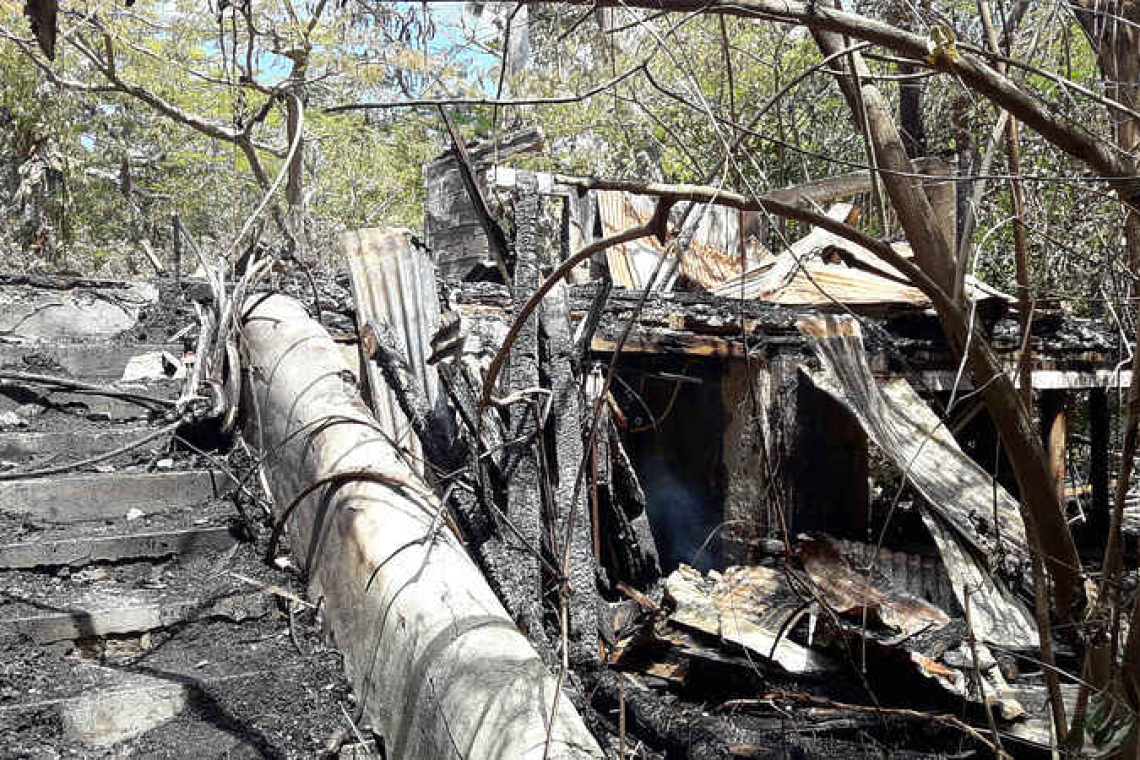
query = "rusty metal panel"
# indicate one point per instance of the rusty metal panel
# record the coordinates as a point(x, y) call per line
point(395, 281)
point(630, 263)
point(822, 268)
point(845, 589)
point(715, 253)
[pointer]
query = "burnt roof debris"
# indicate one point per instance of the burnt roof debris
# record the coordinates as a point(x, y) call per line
point(741, 508)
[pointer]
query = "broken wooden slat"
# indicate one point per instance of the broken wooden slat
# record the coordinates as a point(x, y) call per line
point(103, 496)
point(962, 498)
point(660, 341)
point(432, 655)
point(82, 551)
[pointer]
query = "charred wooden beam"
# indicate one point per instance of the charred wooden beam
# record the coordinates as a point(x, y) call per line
point(437, 664)
point(523, 596)
point(435, 430)
point(572, 524)
point(639, 549)
point(496, 238)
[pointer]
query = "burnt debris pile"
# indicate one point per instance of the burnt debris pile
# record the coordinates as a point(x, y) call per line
point(741, 503)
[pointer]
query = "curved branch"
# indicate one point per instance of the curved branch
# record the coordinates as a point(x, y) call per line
point(115, 83)
point(555, 100)
point(972, 70)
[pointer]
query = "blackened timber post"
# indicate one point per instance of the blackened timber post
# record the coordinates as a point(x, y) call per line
point(524, 496)
point(176, 242)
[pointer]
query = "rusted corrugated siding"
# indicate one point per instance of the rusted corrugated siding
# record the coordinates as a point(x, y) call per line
point(713, 257)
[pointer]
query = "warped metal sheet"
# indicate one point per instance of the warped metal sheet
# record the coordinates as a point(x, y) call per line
point(630, 263)
point(822, 268)
point(847, 590)
point(923, 576)
point(962, 499)
point(745, 606)
point(394, 281)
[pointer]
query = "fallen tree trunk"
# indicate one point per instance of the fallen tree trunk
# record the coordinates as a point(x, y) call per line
point(437, 665)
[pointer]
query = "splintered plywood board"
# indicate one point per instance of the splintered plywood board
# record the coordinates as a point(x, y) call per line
point(962, 498)
point(747, 606)
point(846, 590)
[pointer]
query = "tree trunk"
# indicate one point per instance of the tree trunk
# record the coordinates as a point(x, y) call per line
point(1044, 518)
point(437, 665)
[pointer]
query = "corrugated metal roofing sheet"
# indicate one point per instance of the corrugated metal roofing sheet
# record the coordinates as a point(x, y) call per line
point(714, 256)
point(823, 268)
point(819, 269)
point(394, 281)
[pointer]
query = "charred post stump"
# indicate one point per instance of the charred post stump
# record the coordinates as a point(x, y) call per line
point(572, 523)
point(1098, 462)
point(523, 589)
point(747, 510)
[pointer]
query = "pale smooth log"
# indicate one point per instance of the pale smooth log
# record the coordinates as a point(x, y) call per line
point(437, 664)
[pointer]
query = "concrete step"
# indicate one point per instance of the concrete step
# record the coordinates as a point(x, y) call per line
point(103, 496)
point(93, 362)
point(29, 447)
point(77, 552)
point(91, 405)
point(114, 612)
